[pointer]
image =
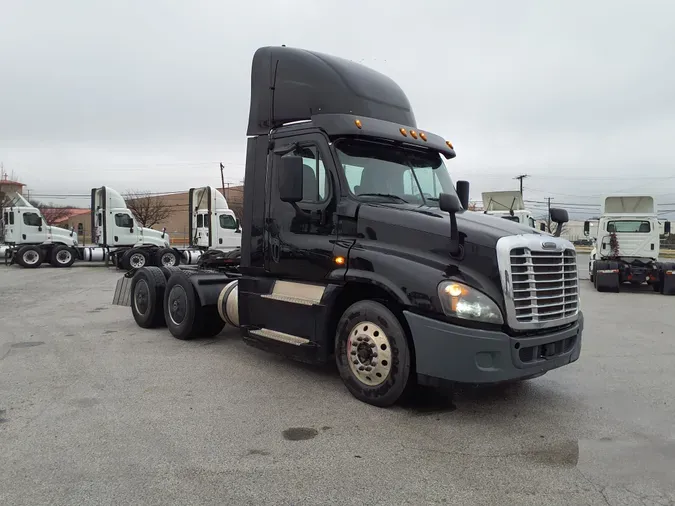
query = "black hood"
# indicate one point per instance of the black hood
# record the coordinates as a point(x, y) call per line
point(476, 228)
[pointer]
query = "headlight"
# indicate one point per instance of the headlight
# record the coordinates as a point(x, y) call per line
point(468, 303)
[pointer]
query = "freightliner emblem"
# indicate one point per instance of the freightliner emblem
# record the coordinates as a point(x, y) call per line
point(549, 245)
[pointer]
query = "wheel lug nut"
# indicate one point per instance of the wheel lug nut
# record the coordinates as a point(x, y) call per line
point(353, 352)
point(372, 345)
point(369, 368)
point(361, 368)
point(356, 362)
point(374, 354)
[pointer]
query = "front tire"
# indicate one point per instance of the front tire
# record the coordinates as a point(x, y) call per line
point(30, 257)
point(62, 256)
point(372, 354)
point(135, 258)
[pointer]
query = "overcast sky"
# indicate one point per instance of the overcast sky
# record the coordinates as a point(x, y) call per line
point(153, 94)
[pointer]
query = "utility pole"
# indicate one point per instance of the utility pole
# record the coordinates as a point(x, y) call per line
point(521, 177)
point(222, 177)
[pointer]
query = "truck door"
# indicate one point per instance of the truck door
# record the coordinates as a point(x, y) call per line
point(301, 246)
point(201, 228)
point(32, 230)
point(226, 231)
point(124, 229)
point(99, 236)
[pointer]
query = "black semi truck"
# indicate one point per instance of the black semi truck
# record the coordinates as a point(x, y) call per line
point(358, 248)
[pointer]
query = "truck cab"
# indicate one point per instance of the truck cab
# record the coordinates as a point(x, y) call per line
point(30, 240)
point(626, 243)
point(213, 225)
point(508, 205)
point(356, 243)
point(114, 225)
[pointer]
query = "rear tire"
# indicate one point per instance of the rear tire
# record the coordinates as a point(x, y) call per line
point(166, 257)
point(147, 297)
point(168, 271)
point(372, 354)
point(62, 256)
point(135, 258)
point(30, 257)
point(182, 311)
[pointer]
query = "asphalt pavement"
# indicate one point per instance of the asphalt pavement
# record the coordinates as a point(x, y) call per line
point(95, 410)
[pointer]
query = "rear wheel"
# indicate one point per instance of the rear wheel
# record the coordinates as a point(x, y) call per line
point(167, 257)
point(147, 297)
point(372, 354)
point(62, 256)
point(30, 257)
point(182, 311)
point(134, 258)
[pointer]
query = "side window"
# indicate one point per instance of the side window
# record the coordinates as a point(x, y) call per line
point(207, 220)
point(5, 218)
point(532, 224)
point(98, 220)
point(200, 220)
point(315, 185)
point(31, 219)
point(11, 217)
point(124, 220)
point(228, 222)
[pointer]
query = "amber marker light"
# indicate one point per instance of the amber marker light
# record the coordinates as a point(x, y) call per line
point(358, 123)
point(403, 132)
point(339, 260)
point(449, 144)
point(423, 136)
point(413, 134)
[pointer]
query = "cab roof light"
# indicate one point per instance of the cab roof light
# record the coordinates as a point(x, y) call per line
point(358, 124)
point(403, 131)
point(449, 144)
point(413, 134)
point(423, 136)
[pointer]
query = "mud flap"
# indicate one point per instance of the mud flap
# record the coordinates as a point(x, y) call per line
point(668, 287)
point(122, 296)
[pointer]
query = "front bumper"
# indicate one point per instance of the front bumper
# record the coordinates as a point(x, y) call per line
point(444, 351)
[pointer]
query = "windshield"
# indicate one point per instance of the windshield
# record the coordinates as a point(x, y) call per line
point(630, 227)
point(384, 171)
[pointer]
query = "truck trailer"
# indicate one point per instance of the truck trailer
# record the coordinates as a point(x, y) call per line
point(626, 246)
point(357, 247)
point(117, 236)
point(508, 205)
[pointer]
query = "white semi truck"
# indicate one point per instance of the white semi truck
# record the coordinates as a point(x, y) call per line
point(508, 205)
point(626, 245)
point(116, 234)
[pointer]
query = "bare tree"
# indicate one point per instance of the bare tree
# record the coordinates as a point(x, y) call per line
point(148, 209)
point(50, 212)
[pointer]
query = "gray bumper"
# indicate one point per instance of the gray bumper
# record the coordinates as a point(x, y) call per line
point(450, 352)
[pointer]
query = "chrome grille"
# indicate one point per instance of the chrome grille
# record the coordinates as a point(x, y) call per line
point(545, 285)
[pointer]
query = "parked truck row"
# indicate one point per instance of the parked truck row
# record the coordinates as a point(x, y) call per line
point(357, 247)
point(117, 236)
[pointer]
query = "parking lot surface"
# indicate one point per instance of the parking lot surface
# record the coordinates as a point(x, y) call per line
point(94, 410)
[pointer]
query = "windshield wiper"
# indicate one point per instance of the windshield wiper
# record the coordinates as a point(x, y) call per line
point(386, 195)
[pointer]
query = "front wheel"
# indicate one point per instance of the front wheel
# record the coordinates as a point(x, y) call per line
point(372, 354)
point(166, 257)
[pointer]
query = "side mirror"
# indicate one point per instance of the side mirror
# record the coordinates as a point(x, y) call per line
point(559, 216)
point(666, 228)
point(72, 231)
point(450, 204)
point(290, 179)
point(587, 228)
point(463, 193)
point(542, 227)
point(131, 229)
point(163, 232)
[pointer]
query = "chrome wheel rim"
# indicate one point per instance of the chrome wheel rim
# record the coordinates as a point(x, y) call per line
point(369, 353)
point(177, 304)
point(31, 257)
point(142, 297)
point(64, 256)
point(137, 260)
point(168, 259)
